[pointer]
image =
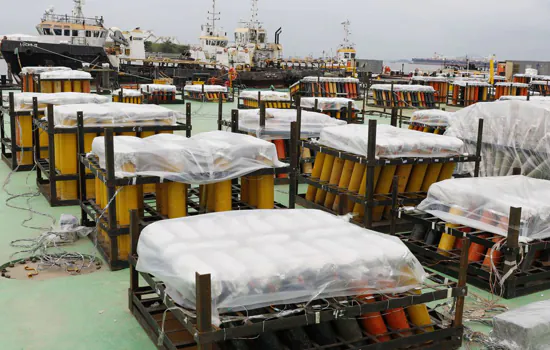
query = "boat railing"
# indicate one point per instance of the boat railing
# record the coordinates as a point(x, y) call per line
point(96, 21)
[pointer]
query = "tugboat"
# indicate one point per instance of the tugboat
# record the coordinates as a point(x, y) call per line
point(62, 40)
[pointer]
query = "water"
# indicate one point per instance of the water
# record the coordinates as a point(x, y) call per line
point(410, 67)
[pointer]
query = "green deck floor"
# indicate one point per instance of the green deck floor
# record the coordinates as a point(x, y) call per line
point(86, 312)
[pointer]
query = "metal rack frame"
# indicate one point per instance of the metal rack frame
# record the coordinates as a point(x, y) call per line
point(47, 178)
point(371, 200)
point(241, 105)
point(204, 335)
point(92, 214)
point(359, 115)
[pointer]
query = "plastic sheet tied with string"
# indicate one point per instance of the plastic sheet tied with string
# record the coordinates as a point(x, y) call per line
point(484, 203)
point(516, 134)
point(38, 70)
point(391, 142)
point(114, 114)
point(24, 101)
point(270, 257)
point(431, 117)
point(207, 88)
point(157, 88)
point(327, 103)
point(127, 93)
point(65, 75)
point(404, 88)
point(277, 123)
point(205, 158)
point(266, 95)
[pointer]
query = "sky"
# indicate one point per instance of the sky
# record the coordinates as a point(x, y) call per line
point(381, 29)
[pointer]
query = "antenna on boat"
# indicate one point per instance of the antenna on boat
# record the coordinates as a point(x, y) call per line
point(347, 33)
point(78, 6)
point(214, 14)
point(254, 19)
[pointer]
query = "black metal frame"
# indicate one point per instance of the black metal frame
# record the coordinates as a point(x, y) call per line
point(8, 141)
point(149, 98)
point(464, 101)
point(528, 276)
point(47, 179)
point(303, 92)
point(147, 303)
point(91, 213)
point(371, 200)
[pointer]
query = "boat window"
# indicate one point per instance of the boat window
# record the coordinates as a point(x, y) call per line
point(103, 34)
point(67, 32)
point(262, 37)
point(47, 31)
point(346, 55)
point(88, 34)
point(75, 32)
point(96, 33)
point(58, 31)
point(352, 55)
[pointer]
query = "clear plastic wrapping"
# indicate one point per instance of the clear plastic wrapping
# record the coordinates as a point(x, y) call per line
point(23, 101)
point(111, 114)
point(205, 88)
point(434, 79)
point(523, 328)
point(157, 88)
point(38, 70)
point(524, 98)
point(266, 95)
point(516, 134)
point(258, 258)
point(431, 117)
point(391, 142)
point(330, 80)
point(277, 123)
point(484, 203)
point(202, 159)
point(327, 103)
point(518, 85)
point(66, 75)
point(400, 87)
point(463, 83)
point(127, 93)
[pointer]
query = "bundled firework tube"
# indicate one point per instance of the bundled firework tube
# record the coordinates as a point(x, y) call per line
point(177, 200)
point(307, 167)
point(383, 186)
point(416, 178)
point(373, 323)
point(315, 174)
point(222, 196)
point(334, 179)
point(397, 319)
point(355, 182)
point(325, 177)
point(447, 241)
point(403, 173)
point(419, 315)
point(344, 182)
point(359, 209)
point(431, 176)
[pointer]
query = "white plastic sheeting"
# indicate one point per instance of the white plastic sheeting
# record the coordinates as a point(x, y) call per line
point(277, 123)
point(428, 79)
point(484, 203)
point(391, 142)
point(515, 134)
point(66, 75)
point(400, 87)
point(266, 95)
point(38, 70)
point(207, 88)
point(202, 159)
point(261, 257)
point(128, 93)
point(431, 117)
point(157, 88)
point(519, 85)
point(330, 80)
point(327, 103)
point(524, 98)
point(463, 83)
point(23, 101)
point(114, 113)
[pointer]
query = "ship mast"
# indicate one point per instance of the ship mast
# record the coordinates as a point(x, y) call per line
point(254, 23)
point(78, 6)
point(347, 33)
point(213, 14)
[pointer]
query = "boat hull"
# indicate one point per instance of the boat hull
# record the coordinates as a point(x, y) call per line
point(19, 54)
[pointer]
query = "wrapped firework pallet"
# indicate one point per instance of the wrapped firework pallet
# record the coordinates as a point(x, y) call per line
point(540, 86)
point(511, 89)
point(57, 172)
point(430, 120)
point(299, 291)
point(274, 125)
point(440, 85)
point(358, 164)
point(326, 87)
point(468, 92)
point(172, 176)
point(16, 125)
point(64, 81)
point(159, 93)
point(523, 78)
point(206, 93)
point(337, 107)
point(403, 96)
point(272, 99)
point(30, 75)
point(505, 218)
point(515, 136)
point(128, 96)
